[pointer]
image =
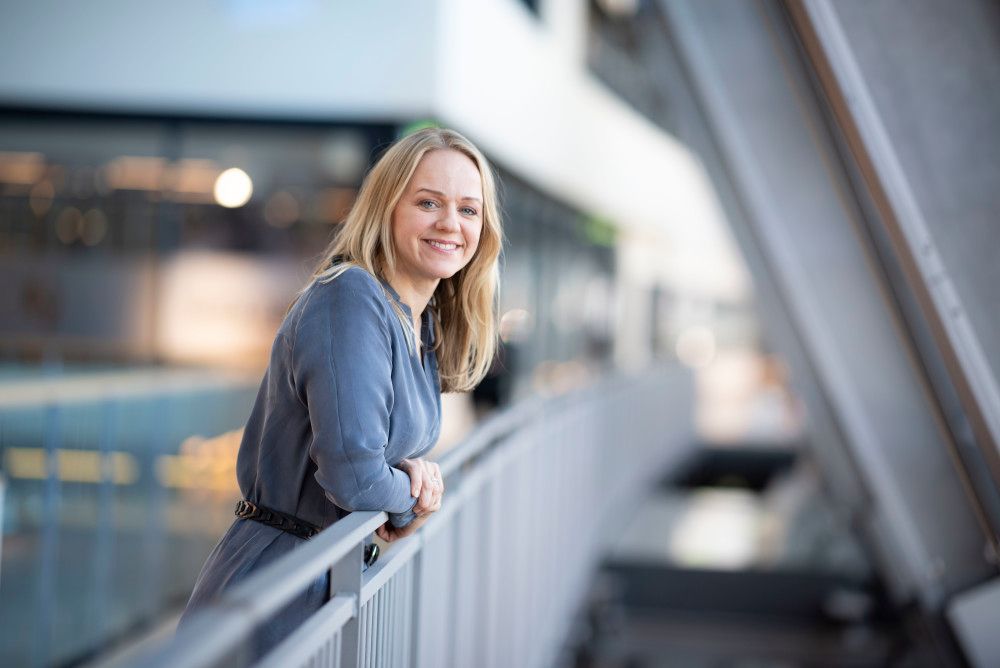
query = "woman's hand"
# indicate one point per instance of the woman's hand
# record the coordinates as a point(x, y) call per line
point(389, 533)
point(426, 484)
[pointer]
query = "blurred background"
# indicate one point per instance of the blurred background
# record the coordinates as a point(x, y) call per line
point(795, 201)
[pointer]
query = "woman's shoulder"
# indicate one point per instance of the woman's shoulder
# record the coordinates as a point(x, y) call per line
point(354, 290)
point(356, 278)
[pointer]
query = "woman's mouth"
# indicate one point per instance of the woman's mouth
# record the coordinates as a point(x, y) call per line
point(446, 247)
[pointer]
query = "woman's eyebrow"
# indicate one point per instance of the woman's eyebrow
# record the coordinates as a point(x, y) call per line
point(441, 194)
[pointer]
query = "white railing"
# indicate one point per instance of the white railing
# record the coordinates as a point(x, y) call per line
point(495, 576)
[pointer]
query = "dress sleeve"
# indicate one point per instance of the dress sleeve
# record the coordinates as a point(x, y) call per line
point(342, 369)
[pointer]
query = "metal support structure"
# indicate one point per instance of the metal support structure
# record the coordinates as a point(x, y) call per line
point(902, 210)
point(768, 124)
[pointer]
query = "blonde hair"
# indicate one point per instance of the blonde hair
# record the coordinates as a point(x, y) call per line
point(464, 306)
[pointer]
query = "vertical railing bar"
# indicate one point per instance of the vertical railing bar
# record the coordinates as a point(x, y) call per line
point(416, 596)
point(51, 441)
point(380, 649)
point(390, 620)
point(528, 502)
point(363, 651)
point(517, 545)
point(398, 623)
point(387, 624)
point(397, 660)
point(392, 629)
point(154, 538)
point(372, 630)
point(527, 617)
point(400, 656)
point(363, 630)
point(411, 622)
point(369, 631)
point(345, 578)
point(373, 635)
point(383, 653)
point(461, 563)
point(373, 643)
point(487, 589)
point(380, 630)
point(376, 630)
point(502, 593)
point(104, 562)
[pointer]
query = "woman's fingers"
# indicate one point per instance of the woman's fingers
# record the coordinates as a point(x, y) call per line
point(426, 484)
point(438, 486)
point(413, 470)
point(426, 492)
point(437, 477)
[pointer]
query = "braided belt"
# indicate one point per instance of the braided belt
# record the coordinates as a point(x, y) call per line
point(292, 524)
point(277, 519)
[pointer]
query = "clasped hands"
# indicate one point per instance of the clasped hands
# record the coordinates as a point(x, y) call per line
point(427, 485)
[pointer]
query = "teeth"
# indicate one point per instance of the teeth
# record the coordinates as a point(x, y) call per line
point(442, 246)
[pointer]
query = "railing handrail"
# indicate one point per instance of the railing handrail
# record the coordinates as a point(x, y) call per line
point(499, 424)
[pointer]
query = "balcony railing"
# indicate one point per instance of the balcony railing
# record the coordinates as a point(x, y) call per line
point(495, 576)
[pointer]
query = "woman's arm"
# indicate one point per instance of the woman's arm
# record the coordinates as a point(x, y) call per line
point(342, 369)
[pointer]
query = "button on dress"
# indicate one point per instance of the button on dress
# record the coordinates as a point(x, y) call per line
point(345, 397)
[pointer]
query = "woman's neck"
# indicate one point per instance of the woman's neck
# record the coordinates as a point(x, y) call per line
point(415, 294)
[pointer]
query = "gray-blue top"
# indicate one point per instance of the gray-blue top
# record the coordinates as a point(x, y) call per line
point(344, 398)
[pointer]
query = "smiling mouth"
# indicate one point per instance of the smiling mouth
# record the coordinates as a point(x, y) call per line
point(444, 247)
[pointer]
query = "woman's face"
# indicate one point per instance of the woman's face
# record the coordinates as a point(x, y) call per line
point(437, 222)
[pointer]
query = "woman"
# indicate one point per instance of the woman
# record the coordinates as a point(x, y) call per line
point(401, 307)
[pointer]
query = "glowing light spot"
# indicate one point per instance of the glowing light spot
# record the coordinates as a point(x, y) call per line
point(93, 227)
point(515, 325)
point(68, 224)
point(696, 346)
point(233, 188)
point(91, 466)
point(282, 209)
point(41, 197)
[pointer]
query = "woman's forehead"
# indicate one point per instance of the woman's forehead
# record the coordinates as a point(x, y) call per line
point(448, 173)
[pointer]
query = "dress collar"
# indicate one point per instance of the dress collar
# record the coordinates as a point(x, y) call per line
point(426, 322)
point(395, 295)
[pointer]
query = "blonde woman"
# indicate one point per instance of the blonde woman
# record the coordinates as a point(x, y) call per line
point(401, 308)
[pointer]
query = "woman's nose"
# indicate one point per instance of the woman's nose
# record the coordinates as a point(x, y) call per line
point(449, 220)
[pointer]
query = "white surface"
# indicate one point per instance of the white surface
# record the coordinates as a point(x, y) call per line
point(514, 83)
point(974, 616)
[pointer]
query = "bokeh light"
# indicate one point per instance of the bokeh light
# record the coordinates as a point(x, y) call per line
point(233, 188)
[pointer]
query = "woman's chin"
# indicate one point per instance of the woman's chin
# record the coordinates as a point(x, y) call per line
point(443, 270)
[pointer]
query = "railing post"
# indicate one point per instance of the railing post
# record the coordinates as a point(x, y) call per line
point(50, 522)
point(104, 566)
point(3, 489)
point(345, 579)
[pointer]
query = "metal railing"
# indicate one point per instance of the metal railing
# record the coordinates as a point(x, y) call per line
point(494, 577)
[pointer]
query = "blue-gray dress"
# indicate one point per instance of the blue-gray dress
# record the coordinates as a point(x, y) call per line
point(343, 400)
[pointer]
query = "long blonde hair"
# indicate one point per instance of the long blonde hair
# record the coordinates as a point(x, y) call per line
point(464, 306)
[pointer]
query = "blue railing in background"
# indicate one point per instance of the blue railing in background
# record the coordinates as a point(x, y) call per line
point(104, 470)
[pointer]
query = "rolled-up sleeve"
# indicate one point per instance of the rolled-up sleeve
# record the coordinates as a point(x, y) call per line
point(342, 366)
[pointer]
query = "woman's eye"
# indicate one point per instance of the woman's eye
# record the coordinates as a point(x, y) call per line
point(470, 211)
point(426, 202)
